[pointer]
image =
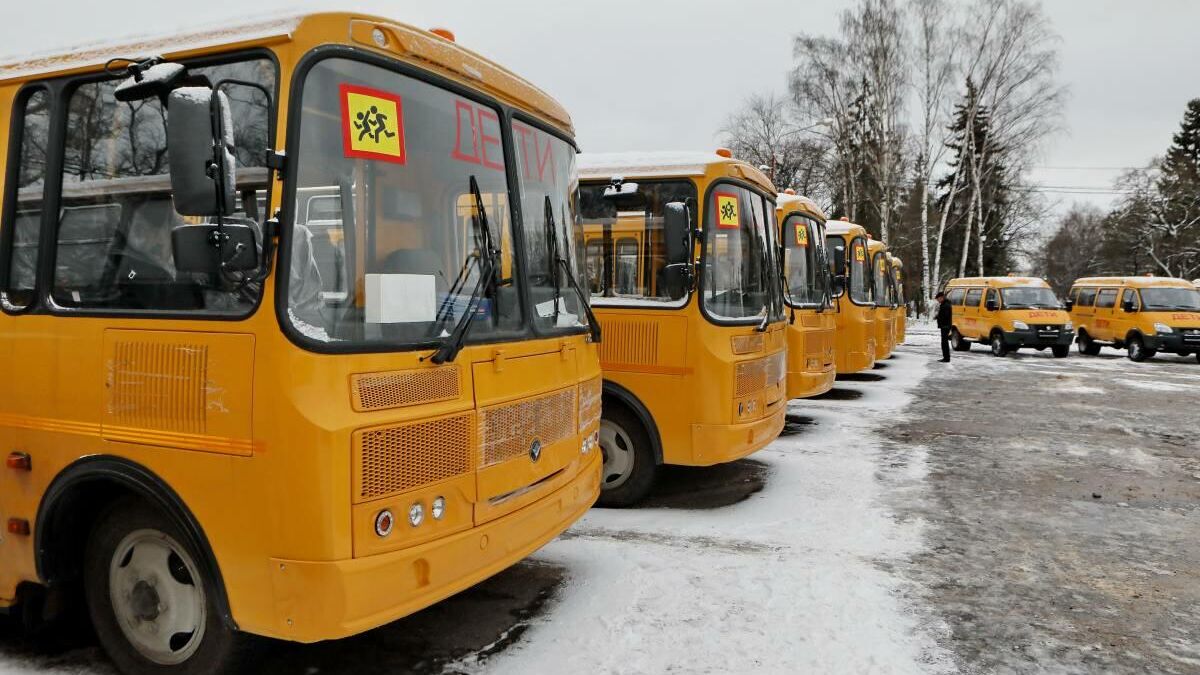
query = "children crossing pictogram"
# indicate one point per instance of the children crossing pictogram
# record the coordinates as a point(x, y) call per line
point(728, 217)
point(372, 123)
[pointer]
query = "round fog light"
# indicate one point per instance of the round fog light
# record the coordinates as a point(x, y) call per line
point(384, 522)
point(438, 509)
point(416, 513)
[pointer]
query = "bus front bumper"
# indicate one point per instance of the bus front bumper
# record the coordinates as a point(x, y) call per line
point(1180, 341)
point(719, 443)
point(328, 600)
point(808, 383)
point(1035, 338)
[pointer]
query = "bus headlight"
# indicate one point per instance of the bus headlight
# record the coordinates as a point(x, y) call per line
point(416, 513)
point(1020, 325)
point(1163, 328)
point(1068, 327)
point(438, 509)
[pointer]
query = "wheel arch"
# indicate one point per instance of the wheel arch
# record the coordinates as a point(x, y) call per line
point(622, 396)
point(71, 506)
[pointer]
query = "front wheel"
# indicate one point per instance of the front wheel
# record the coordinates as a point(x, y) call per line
point(629, 466)
point(998, 346)
point(958, 342)
point(1137, 350)
point(153, 609)
point(1061, 351)
point(1088, 346)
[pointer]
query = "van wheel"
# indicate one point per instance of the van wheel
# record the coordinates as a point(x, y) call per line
point(1197, 357)
point(958, 342)
point(1061, 351)
point(152, 608)
point(1136, 349)
point(998, 346)
point(629, 466)
point(1088, 346)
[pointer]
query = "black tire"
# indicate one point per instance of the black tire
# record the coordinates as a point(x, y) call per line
point(632, 484)
point(1136, 349)
point(1061, 351)
point(1088, 346)
point(958, 342)
point(998, 347)
point(1197, 357)
point(130, 524)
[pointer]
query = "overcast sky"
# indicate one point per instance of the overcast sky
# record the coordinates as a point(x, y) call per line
point(664, 74)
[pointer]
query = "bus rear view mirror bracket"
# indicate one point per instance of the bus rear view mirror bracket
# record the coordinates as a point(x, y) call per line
point(679, 273)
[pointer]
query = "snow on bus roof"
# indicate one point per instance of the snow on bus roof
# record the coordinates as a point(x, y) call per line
point(645, 164)
point(134, 46)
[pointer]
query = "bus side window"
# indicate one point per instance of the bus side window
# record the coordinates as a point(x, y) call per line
point(973, 297)
point(955, 296)
point(992, 297)
point(1087, 297)
point(22, 229)
point(1131, 296)
point(1106, 299)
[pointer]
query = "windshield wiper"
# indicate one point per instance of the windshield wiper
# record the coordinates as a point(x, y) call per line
point(486, 255)
point(552, 243)
point(766, 320)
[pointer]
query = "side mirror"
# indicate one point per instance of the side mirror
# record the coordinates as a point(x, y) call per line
point(679, 246)
point(624, 195)
point(839, 262)
point(838, 284)
point(200, 149)
point(1068, 305)
point(206, 248)
point(1129, 306)
point(992, 305)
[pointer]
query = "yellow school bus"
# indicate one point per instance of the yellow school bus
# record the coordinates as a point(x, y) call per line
point(684, 279)
point(853, 295)
point(810, 331)
point(209, 439)
point(1143, 315)
point(901, 300)
point(885, 299)
point(1008, 313)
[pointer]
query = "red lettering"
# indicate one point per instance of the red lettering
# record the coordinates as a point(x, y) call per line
point(523, 147)
point(459, 108)
point(545, 158)
point(487, 140)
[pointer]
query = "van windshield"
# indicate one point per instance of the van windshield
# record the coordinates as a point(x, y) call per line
point(1029, 297)
point(1159, 299)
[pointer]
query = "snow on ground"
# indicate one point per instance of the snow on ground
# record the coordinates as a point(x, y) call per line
point(794, 579)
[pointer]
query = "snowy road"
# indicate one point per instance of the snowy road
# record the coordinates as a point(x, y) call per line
point(993, 515)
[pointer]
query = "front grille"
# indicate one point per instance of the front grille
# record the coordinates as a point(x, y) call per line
point(405, 456)
point(1191, 335)
point(508, 430)
point(399, 388)
point(750, 377)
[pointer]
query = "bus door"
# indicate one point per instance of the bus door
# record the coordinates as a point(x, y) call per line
point(1106, 302)
point(990, 316)
point(972, 326)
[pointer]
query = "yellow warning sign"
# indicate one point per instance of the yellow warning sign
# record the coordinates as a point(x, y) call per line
point(860, 254)
point(728, 217)
point(372, 124)
point(801, 235)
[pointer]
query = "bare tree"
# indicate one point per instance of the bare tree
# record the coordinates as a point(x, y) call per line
point(764, 132)
point(935, 45)
point(822, 87)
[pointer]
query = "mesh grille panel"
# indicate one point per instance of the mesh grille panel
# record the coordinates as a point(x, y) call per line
point(776, 368)
point(508, 430)
point(589, 402)
point(403, 457)
point(751, 377)
point(396, 389)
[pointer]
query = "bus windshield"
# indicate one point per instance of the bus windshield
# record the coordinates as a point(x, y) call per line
point(401, 203)
point(739, 279)
point(1157, 299)
point(1029, 297)
point(804, 266)
point(883, 280)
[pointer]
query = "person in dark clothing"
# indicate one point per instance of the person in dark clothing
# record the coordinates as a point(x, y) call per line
point(944, 321)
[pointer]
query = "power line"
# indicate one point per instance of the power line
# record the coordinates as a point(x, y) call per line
point(1089, 168)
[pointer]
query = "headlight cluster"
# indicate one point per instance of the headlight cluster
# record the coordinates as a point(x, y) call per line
point(1068, 326)
point(384, 521)
point(1163, 328)
point(590, 442)
point(1020, 325)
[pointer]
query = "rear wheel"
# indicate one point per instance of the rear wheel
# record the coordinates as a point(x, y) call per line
point(153, 609)
point(1088, 346)
point(629, 466)
point(998, 346)
point(1137, 350)
point(958, 342)
point(1061, 351)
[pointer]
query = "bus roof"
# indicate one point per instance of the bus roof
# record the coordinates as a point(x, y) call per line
point(786, 204)
point(632, 165)
point(843, 227)
point(404, 41)
point(896, 261)
point(1136, 282)
point(875, 246)
point(999, 282)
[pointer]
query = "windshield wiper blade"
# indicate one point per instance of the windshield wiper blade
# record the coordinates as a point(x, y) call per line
point(486, 255)
point(766, 320)
point(552, 226)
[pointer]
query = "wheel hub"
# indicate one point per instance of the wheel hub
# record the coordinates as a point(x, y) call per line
point(143, 601)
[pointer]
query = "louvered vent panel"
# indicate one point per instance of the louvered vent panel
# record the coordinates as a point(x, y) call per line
point(630, 342)
point(156, 385)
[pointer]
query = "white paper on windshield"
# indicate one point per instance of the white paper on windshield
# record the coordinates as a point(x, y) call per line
point(401, 298)
point(546, 309)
